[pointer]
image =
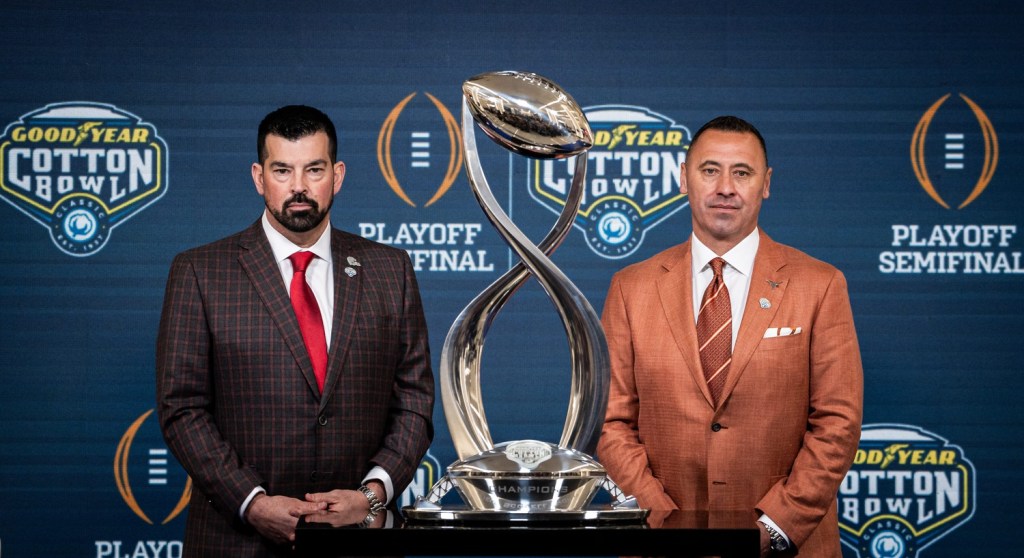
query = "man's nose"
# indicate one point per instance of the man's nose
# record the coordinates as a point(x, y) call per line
point(725, 186)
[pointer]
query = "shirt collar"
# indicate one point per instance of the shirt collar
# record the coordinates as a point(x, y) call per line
point(740, 257)
point(283, 248)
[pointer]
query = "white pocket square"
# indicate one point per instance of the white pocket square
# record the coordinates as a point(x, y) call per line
point(782, 331)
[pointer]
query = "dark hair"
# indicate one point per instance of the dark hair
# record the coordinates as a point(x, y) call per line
point(294, 122)
point(731, 124)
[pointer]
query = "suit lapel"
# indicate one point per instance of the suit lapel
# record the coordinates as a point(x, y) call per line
point(768, 282)
point(348, 283)
point(675, 288)
point(257, 260)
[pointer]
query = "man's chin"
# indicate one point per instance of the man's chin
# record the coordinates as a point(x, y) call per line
point(301, 227)
point(300, 222)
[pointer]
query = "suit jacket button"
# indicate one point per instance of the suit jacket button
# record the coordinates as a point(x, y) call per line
point(322, 420)
point(312, 476)
point(715, 427)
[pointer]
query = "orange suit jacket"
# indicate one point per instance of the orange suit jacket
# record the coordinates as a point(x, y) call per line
point(785, 432)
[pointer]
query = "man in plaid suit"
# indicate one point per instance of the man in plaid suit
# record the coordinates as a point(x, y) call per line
point(263, 438)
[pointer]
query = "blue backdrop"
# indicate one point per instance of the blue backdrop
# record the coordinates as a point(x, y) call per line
point(894, 128)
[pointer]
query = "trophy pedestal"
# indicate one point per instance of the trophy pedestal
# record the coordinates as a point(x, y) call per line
point(528, 482)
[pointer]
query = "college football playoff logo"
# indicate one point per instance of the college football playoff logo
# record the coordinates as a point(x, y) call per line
point(412, 156)
point(954, 153)
point(144, 474)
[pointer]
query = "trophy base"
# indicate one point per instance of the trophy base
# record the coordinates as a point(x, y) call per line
point(526, 482)
point(461, 516)
point(527, 476)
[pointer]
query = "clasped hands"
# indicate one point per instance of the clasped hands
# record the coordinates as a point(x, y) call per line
point(275, 517)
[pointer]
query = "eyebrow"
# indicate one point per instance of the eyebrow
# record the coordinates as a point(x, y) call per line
point(717, 164)
point(283, 165)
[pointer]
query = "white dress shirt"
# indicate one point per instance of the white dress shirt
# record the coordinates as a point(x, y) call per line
point(736, 273)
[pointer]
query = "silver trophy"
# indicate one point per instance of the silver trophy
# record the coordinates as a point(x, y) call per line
point(525, 480)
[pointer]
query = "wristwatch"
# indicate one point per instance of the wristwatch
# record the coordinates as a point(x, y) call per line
point(777, 542)
point(376, 506)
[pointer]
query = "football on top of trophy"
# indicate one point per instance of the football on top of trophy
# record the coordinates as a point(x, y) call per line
point(528, 114)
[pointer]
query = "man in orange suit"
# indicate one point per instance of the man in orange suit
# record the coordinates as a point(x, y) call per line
point(293, 371)
point(737, 383)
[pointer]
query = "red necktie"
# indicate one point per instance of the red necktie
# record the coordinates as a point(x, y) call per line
point(308, 313)
point(714, 332)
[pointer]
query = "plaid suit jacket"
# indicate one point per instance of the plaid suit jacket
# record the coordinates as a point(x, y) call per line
point(237, 398)
point(784, 432)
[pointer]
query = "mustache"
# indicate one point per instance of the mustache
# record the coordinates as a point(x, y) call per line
point(303, 199)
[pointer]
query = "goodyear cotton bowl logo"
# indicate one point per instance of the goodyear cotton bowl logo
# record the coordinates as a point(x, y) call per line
point(632, 177)
point(907, 489)
point(954, 152)
point(80, 169)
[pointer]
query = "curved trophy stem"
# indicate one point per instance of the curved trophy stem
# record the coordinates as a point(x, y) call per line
point(463, 347)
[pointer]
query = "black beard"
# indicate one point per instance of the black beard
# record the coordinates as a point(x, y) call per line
point(300, 221)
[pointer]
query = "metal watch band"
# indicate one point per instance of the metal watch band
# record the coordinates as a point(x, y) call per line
point(376, 506)
point(778, 543)
point(368, 520)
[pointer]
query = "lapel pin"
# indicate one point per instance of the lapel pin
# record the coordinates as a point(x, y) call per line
point(353, 261)
point(350, 272)
point(773, 284)
point(765, 304)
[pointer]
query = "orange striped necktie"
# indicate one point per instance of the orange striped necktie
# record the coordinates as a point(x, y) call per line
point(714, 332)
